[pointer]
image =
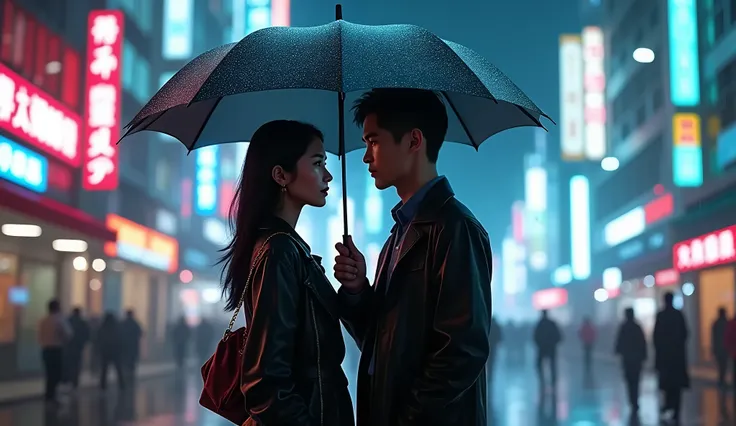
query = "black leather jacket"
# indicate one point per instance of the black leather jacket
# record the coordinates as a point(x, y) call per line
point(429, 327)
point(292, 373)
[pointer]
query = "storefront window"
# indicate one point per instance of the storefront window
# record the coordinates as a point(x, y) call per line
point(40, 280)
point(8, 270)
point(716, 290)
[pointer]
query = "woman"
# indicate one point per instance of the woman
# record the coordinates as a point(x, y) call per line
point(291, 362)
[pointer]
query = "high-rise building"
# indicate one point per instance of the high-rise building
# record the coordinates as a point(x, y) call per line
point(704, 253)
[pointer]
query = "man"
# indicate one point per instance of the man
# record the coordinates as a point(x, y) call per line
point(718, 345)
point(424, 326)
point(130, 335)
point(75, 346)
point(53, 334)
point(631, 346)
point(729, 341)
point(547, 338)
point(670, 351)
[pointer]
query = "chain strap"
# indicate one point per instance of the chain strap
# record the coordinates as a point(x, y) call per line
point(257, 259)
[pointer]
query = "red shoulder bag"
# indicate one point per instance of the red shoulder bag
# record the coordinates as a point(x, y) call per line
point(221, 373)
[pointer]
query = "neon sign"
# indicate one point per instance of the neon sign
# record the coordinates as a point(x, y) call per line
point(549, 298)
point(102, 115)
point(687, 153)
point(594, 82)
point(684, 57)
point(139, 244)
point(23, 166)
point(37, 118)
point(715, 248)
point(206, 181)
point(571, 97)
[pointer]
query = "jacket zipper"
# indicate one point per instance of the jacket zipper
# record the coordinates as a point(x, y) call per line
point(319, 366)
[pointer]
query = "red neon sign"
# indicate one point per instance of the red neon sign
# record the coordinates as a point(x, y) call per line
point(659, 208)
point(37, 118)
point(715, 248)
point(102, 100)
point(666, 277)
point(549, 299)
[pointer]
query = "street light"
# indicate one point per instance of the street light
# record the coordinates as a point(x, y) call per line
point(644, 55)
point(610, 164)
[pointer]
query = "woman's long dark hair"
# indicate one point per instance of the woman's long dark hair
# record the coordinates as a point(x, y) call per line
point(276, 143)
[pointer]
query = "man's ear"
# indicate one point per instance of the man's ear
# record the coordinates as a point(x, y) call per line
point(416, 140)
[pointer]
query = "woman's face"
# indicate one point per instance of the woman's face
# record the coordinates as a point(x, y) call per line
point(309, 184)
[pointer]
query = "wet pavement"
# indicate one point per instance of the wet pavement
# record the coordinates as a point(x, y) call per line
point(580, 401)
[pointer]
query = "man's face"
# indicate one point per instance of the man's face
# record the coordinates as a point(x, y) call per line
point(388, 159)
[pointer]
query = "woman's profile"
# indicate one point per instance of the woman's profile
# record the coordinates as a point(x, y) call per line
point(291, 372)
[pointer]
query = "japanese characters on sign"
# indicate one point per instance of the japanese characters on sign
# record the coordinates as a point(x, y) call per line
point(594, 82)
point(102, 97)
point(38, 119)
point(715, 248)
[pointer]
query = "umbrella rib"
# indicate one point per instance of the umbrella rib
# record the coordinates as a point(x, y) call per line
point(462, 122)
point(531, 117)
point(204, 124)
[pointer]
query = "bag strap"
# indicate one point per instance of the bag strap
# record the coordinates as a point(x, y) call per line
point(258, 256)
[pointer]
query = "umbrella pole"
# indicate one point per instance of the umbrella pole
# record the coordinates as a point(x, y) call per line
point(343, 161)
point(341, 146)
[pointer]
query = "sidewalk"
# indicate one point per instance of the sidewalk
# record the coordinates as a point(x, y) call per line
point(14, 391)
point(699, 373)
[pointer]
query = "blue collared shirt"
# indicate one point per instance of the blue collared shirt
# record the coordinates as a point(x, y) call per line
point(403, 214)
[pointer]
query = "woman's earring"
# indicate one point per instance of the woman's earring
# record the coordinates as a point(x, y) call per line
point(283, 188)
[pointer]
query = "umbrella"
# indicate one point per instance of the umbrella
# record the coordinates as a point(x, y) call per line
point(300, 73)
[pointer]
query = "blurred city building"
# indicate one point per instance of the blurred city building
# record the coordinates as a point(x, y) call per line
point(648, 123)
point(101, 226)
point(49, 247)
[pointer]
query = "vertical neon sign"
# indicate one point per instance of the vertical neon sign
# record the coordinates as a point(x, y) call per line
point(684, 57)
point(206, 180)
point(594, 82)
point(580, 227)
point(687, 153)
point(103, 100)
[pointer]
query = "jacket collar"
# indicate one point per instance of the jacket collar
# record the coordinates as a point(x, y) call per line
point(320, 286)
point(435, 198)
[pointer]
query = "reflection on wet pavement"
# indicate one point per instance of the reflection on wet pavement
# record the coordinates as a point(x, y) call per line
point(580, 401)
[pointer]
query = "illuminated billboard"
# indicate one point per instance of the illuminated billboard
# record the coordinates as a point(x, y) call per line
point(103, 100)
point(38, 119)
point(580, 227)
point(712, 249)
point(572, 118)
point(594, 84)
point(205, 176)
point(687, 152)
point(177, 29)
point(535, 208)
point(23, 166)
point(684, 57)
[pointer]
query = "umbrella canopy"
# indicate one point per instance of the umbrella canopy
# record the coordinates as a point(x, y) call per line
point(225, 94)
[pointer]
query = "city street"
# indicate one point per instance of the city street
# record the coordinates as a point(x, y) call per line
point(169, 401)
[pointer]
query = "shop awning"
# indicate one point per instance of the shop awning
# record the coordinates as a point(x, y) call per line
point(54, 212)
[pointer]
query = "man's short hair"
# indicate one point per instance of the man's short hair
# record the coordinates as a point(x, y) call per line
point(401, 110)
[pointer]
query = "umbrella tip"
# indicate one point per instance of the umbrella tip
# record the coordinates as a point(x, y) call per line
point(338, 12)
